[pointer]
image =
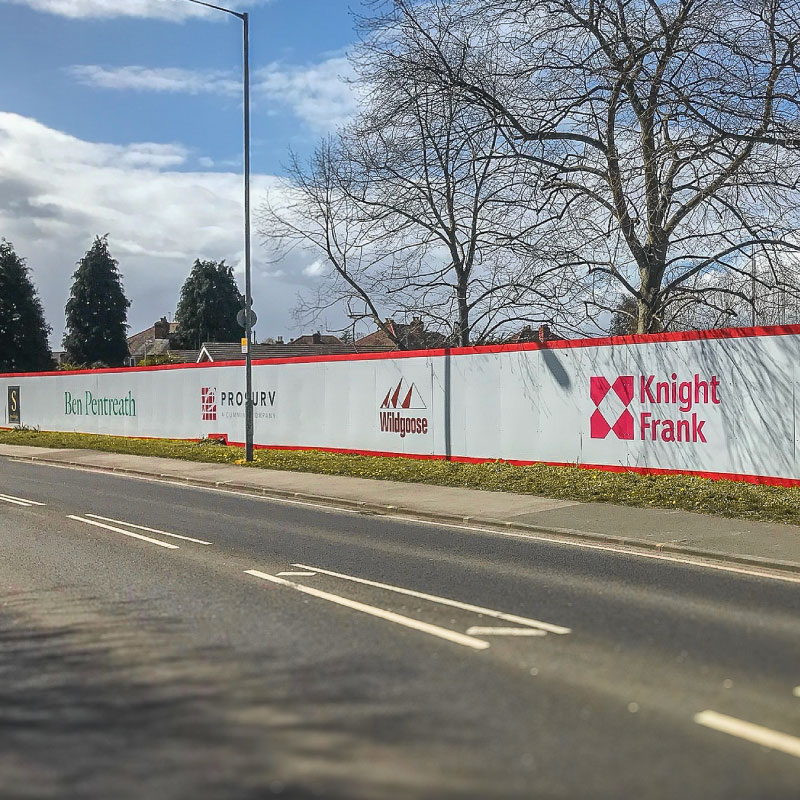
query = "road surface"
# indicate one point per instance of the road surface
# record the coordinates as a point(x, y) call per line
point(163, 641)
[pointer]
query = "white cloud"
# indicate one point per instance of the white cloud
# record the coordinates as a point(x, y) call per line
point(147, 79)
point(104, 9)
point(315, 269)
point(318, 94)
point(57, 192)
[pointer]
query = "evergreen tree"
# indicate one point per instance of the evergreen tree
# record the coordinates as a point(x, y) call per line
point(207, 309)
point(97, 310)
point(23, 330)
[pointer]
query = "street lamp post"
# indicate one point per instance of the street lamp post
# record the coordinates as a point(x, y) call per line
point(248, 300)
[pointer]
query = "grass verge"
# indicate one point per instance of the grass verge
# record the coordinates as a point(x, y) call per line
point(724, 498)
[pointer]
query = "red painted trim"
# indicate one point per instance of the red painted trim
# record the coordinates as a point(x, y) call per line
point(767, 480)
point(566, 344)
point(727, 476)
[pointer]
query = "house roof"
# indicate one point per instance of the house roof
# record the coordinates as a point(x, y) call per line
point(317, 338)
point(412, 335)
point(529, 334)
point(184, 356)
point(147, 338)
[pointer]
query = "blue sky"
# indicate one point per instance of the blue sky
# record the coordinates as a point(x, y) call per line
point(124, 116)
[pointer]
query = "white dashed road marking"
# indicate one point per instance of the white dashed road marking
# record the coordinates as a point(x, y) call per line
point(445, 601)
point(149, 530)
point(124, 533)
point(305, 574)
point(477, 630)
point(757, 734)
point(19, 501)
point(390, 616)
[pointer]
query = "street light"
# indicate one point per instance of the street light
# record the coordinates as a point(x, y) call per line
point(248, 300)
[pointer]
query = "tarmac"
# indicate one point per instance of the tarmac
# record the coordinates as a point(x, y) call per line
point(754, 544)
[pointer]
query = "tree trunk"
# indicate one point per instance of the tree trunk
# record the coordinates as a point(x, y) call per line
point(463, 316)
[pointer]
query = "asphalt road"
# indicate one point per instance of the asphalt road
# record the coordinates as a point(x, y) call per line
point(408, 660)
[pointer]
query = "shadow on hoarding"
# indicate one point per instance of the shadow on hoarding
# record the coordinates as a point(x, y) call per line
point(551, 361)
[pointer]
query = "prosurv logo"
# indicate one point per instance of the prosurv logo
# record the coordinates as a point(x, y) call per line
point(402, 411)
point(223, 404)
point(208, 403)
point(651, 408)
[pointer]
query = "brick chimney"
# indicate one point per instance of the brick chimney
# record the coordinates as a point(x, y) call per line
point(544, 333)
point(161, 329)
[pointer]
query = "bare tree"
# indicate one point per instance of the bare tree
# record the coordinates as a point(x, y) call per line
point(315, 212)
point(660, 137)
point(413, 208)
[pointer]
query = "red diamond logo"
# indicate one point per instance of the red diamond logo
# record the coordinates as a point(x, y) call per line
point(598, 425)
point(598, 389)
point(623, 387)
point(623, 427)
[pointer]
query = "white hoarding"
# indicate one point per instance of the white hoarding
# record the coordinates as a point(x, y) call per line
point(722, 402)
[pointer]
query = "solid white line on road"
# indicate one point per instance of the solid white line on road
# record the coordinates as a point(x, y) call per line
point(609, 548)
point(757, 734)
point(125, 533)
point(446, 601)
point(11, 498)
point(306, 574)
point(477, 630)
point(399, 619)
point(15, 502)
point(144, 528)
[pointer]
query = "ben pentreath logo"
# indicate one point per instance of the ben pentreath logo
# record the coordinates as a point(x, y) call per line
point(88, 405)
point(683, 400)
point(221, 403)
point(396, 410)
point(14, 412)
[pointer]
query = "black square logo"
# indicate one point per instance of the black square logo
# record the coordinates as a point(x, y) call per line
point(14, 416)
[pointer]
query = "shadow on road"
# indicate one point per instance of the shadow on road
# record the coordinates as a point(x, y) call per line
point(115, 705)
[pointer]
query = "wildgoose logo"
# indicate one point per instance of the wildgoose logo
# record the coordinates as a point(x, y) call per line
point(393, 410)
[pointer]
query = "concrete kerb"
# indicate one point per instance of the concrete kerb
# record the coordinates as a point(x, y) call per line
point(490, 524)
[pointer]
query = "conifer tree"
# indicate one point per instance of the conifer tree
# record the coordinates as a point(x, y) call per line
point(208, 305)
point(97, 310)
point(23, 330)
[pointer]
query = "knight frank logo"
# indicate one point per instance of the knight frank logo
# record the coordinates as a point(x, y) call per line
point(622, 425)
point(620, 409)
point(395, 408)
point(208, 403)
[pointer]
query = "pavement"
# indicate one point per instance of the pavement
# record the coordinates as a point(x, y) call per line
point(756, 544)
point(172, 641)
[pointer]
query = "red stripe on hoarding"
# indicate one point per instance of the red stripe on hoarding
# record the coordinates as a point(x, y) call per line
point(727, 476)
point(566, 344)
